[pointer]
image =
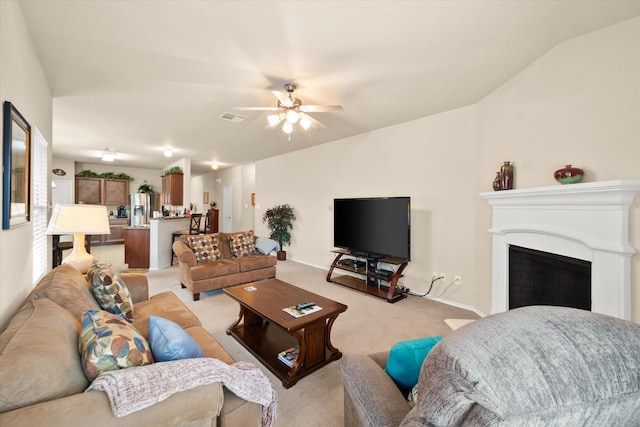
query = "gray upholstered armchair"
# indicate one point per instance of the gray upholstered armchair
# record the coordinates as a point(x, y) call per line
point(535, 365)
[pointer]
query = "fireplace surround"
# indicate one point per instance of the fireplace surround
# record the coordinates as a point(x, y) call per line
point(586, 221)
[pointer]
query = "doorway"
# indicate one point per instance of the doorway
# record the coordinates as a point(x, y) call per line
point(227, 208)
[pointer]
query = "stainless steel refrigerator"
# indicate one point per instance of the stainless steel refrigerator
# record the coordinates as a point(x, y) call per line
point(142, 207)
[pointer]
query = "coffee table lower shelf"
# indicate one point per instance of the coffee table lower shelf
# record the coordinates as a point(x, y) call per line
point(265, 340)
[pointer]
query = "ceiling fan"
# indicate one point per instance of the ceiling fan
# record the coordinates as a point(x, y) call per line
point(292, 111)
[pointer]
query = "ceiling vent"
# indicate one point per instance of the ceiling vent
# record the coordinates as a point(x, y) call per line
point(232, 117)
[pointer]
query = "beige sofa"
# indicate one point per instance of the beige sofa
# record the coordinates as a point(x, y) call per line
point(42, 382)
point(228, 271)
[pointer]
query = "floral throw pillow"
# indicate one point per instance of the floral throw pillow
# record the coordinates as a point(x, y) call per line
point(110, 290)
point(242, 244)
point(205, 247)
point(108, 342)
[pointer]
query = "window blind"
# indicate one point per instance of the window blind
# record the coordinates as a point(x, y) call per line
point(39, 204)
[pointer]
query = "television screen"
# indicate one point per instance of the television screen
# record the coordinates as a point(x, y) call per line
point(373, 226)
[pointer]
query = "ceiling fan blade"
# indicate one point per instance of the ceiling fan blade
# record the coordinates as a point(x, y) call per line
point(256, 108)
point(320, 108)
point(316, 124)
point(283, 98)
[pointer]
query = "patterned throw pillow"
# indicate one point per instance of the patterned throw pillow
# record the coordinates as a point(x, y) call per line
point(108, 342)
point(205, 247)
point(242, 244)
point(110, 290)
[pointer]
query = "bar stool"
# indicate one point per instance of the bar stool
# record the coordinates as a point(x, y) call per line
point(194, 228)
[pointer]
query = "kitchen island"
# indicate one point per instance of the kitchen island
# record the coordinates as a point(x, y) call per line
point(136, 246)
point(161, 238)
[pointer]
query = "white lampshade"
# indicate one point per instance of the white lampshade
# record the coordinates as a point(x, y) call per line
point(79, 220)
point(292, 116)
point(287, 127)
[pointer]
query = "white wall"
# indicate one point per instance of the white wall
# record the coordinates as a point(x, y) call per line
point(578, 104)
point(22, 82)
point(432, 160)
point(242, 181)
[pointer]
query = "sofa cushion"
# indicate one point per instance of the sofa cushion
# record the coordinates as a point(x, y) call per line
point(68, 288)
point(109, 342)
point(165, 304)
point(110, 290)
point(255, 262)
point(169, 341)
point(242, 244)
point(39, 355)
point(205, 247)
point(405, 360)
point(214, 269)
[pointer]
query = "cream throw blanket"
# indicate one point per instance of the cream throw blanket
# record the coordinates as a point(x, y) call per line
point(132, 389)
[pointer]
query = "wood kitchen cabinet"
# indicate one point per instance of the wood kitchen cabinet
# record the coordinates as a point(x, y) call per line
point(115, 237)
point(89, 190)
point(101, 191)
point(115, 192)
point(172, 193)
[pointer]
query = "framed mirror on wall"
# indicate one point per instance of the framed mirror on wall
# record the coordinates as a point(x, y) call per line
point(16, 176)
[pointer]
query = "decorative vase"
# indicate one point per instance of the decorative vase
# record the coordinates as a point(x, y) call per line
point(496, 182)
point(281, 255)
point(506, 176)
point(568, 175)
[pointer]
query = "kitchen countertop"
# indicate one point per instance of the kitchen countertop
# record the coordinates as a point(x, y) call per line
point(168, 218)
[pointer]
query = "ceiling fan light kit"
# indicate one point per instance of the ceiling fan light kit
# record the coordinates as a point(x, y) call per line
point(292, 111)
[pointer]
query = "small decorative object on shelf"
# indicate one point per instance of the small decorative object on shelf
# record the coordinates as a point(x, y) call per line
point(506, 176)
point(496, 182)
point(568, 175)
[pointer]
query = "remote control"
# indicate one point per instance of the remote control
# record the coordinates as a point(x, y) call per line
point(305, 305)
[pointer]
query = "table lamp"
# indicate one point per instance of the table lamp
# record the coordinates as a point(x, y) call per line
point(79, 220)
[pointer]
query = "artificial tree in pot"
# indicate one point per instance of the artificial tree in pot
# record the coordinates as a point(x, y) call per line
point(280, 219)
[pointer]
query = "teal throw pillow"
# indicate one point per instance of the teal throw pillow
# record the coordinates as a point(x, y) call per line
point(168, 341)
point(405, 360)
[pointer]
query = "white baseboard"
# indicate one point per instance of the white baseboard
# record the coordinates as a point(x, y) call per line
point(457, 304)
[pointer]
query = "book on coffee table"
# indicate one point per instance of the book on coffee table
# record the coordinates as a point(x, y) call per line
point(289, 356)
point(301, 312)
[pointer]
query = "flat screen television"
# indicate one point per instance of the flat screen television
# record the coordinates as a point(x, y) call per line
point(373, 227)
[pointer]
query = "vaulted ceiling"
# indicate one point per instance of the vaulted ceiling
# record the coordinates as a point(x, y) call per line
point(138, 76)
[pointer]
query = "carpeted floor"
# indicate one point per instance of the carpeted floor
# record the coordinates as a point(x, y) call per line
point(369, 325)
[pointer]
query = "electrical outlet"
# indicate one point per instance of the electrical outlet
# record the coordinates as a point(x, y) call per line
point(457, 280)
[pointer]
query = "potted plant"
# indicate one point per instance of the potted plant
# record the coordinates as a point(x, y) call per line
point(279, 219)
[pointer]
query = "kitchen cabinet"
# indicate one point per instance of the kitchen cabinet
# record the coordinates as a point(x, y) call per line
point(89, 190)
point(115, 192)
point(172, 193)
point(101, 191)
point(115, 237)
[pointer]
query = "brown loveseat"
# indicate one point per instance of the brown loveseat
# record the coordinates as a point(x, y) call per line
point(228, 271)
point(42, 381)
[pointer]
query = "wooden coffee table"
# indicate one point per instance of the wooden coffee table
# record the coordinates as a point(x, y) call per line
point(265, 330)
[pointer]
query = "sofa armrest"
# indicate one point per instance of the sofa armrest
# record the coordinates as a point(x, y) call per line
point(137, 284)
point(371, 398)
point(184, 253)
point(93, 408)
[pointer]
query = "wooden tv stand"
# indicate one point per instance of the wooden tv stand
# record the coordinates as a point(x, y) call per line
point(371, 277)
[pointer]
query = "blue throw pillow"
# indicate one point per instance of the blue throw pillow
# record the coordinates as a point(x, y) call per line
point(405, 360)
point(168, 341)
point(266, 246)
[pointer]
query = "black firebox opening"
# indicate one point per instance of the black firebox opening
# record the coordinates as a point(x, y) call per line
point(542, 278)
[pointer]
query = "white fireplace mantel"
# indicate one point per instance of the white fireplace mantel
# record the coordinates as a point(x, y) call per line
point(588, 221)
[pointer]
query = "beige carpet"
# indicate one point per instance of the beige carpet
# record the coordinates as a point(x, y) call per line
point(369, 325)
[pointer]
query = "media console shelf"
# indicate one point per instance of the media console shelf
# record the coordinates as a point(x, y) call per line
point(371, 279)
